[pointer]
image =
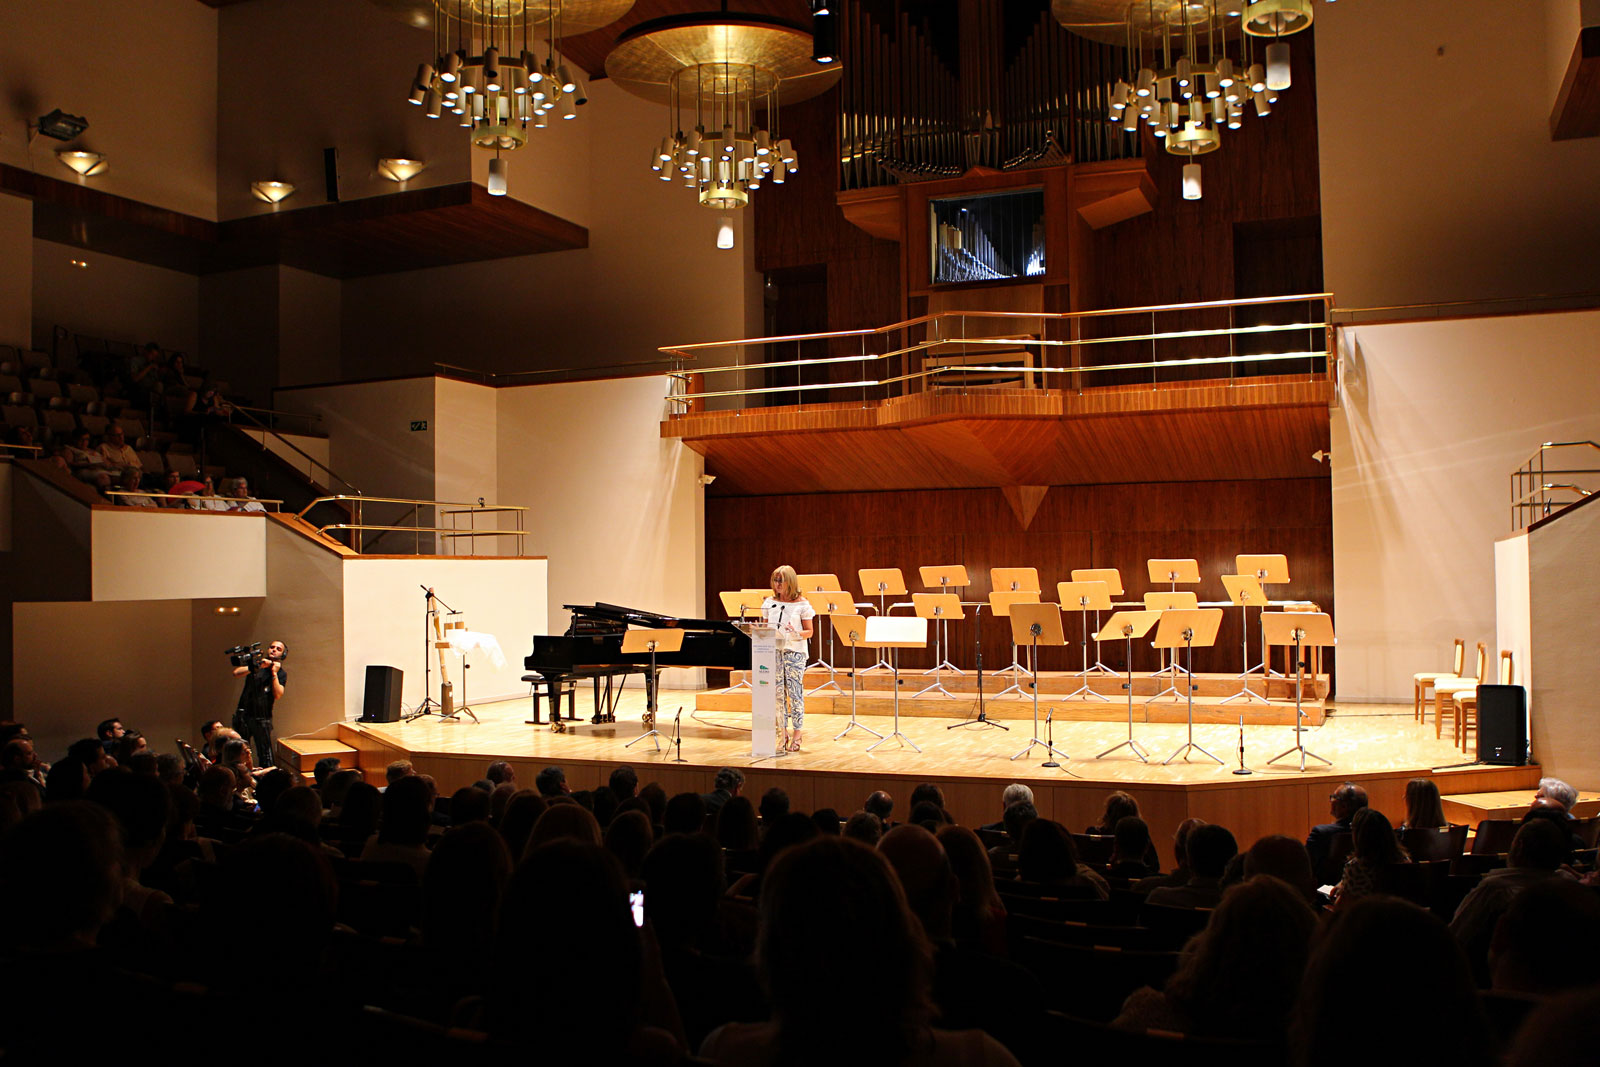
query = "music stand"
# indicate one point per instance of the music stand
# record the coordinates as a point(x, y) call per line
point(1128, 625)
point(827, 603)
point(742, 604)
point(881, 582)
point(1014, 580)
point(852, 630)
point(1037, 624)
point(944, 579)
point(1245, 590)
point(822, 584)
point(1185, 628)
point(1176, 601)
point(939, 609)
point(1086, 597)
point(1000, 605)
point(1113, 579)
point(1174, 572)
point(456, 637)
point(895, 633)
point(651, 641)
point(1269, 569)
point(1298, 628)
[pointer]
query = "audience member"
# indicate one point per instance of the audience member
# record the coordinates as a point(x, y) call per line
point(979, 920)
point(604, 805)
point(1547, 941)
point(629, 838)
point(552, 782)
point(737, 830)
point(322, 769)
point(928, 815)
point(358, 818)
point(927, 793)
point(783, 833)
point(19, 764)
point(68, 780)
point(1424, 811)
point(686, 814)
point(337, 787)
point(1131, 849)
point(1560, 1031)
point(774, 806)
point(654, 799)
point(88, 464)
point(1210, 847)
point(462, 888)
point(110, 731)
point(1010, 795)
point(499, 797)
point(1049, 857)
point(403, 831)
point(1119, 806)
point(624, 782)
point(880, 804)
point(1378, 953)
point(398, 769)
point(1016, 820)
point(1283, 858)
point(1560, 792)
point(523, 811)
point(1343, 803)
point(1373, 847)
point(118, 455)
point(467, 805)
point(834, 910)
point(1537, 854)
point(1238, 978)
point(501, 773)
point(563, 821)
point(241, 498)
point(827, 821)
point(93, 755)
point(864, 827)
point(1179, 875)
point(728, 784)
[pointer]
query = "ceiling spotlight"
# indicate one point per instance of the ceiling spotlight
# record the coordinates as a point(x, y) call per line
point(725, 232)
point(62, 126)
point(400, 170)
point(272, 191)
point(824, 38)
point(87, 164)
point(497, 176)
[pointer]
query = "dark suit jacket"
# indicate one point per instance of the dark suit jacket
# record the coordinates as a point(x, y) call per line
point(1320, 840)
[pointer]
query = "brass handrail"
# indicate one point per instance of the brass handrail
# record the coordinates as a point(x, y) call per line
point(296, 448)
point(441, 508)
point(276, 504)
point(1530, 490)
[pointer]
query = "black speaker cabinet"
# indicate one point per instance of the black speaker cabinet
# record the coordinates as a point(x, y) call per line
point(381, 702)
point(1503, 725)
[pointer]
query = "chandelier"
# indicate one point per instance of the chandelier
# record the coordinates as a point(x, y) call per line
point(487, 71)
point(722, 78)
point(1194, 66)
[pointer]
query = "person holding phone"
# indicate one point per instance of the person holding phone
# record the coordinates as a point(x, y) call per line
point(790, 614)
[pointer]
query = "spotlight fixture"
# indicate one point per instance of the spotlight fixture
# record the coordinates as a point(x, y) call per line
point(400, 170)
point(725, 232)
point(717, 72)
point(62, 126)
point(87, 164)
point(497, 176)
point(824, 38)
point(272, 191)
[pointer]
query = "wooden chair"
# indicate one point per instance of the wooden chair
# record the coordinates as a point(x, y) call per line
point(1494, 836)
point(1425, 843)
point(1445, 688)
point(1175, 922)
point(1094, 980)
point(1464, 705)
point(1425, 680)
point(1094, 1042)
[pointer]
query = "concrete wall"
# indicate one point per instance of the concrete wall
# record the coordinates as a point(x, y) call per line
point(1433, 419)
point(143, 72)
point(464, 463)
point(1564, 634)
point(113, 298)
point(308, 327)
point(1439, 178)
point(156, 554)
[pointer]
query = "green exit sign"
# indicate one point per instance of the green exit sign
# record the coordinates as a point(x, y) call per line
point(418, 425)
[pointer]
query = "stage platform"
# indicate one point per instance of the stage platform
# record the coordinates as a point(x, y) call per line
point(1216, 698)
point(1380, 746)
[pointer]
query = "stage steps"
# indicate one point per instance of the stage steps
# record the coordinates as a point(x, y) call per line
point(875, 696)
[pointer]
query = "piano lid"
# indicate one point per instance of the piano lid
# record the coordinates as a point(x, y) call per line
point(647, 619)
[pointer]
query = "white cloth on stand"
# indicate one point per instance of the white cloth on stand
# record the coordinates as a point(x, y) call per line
point(464, 641)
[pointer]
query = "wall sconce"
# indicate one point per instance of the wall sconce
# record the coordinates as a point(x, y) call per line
point(87, 164)
point(227, 609)
point(272, 192)
point(400, 170)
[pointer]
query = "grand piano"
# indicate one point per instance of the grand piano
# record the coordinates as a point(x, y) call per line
point(592, 649)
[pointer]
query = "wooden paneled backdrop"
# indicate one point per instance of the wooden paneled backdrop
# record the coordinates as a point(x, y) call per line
point(1076, 526)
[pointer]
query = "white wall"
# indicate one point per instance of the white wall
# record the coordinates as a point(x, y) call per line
point(1439, 178)
point(1513, 610)
point(1433, 419)
point(78, 663)
point(113, 298)
point(16, 281)
point(1564, 634)
point(383, 622)
point(464, 462)
point(159, 554)
point(143, 72)
point(619, 511)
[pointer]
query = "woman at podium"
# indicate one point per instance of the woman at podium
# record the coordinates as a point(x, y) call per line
point(790, 614)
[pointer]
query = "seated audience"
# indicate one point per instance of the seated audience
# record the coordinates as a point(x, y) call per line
point(1343, 803)
point(979, 919)
point(833, 910)
point(501, 773)
point(1424, 811)
point(241, 498)
point(728, 784)
point(737, 830)
point(523, 811)
point(1049, 857)
point(1560, 792)
point(827, 821)
point(629, 838)
point(1008, 796)
point(880, 804)
point(88, 464)
point(774, 806)
point(552, 782)
point(1537, 854)
point(1179, 875)
point(1131, 849)
point(1374, 956)
point(1210, 847)
point(398, 769)
point(1119, 806)
point(403, 831)
point(563, 821)
point(118, 456)
point(462, 888)
point(468, 804)
point(1283, 858)
point(864, 827)
point(1547, 940)
point(686, 814)
point(358, 818)
point(624, 782)
point(322, 769)
point(1016, 820)
point(1237, 978)
point(1373, 848)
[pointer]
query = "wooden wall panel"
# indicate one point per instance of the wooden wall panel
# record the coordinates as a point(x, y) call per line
point(1076, 526)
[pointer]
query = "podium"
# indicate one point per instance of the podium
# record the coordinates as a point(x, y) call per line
point(1037, 624)
point(852, 630)
point(1113, 579)
point(1086, 596)
point(894, 633)
point(764, 691)
point(1128, 625)
point(651, 641)
point(881, 582)
point(1184, 628)
point(1245, 591)
point(1174, 601)
point(1267, 569)
point(743, 604)
point(1300, 629)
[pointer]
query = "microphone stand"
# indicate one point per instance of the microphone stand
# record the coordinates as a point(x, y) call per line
point(1050, 737)
point(428, 703)
point(982, 718)
point(677, 736)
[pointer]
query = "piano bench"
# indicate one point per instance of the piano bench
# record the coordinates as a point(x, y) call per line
point(567, 687)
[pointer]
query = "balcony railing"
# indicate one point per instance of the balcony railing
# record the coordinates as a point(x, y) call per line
point(1545, 483)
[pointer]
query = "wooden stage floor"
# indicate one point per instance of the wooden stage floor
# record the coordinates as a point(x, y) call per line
point(1380, 746)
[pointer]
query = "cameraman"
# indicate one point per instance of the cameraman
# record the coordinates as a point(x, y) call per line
point(263, 686)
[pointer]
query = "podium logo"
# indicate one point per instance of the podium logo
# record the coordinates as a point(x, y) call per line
point(763, 668)
point(765, 682)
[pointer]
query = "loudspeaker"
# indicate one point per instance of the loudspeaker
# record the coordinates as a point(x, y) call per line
point(1503, 725)
point(381, 702)
point(330, 173)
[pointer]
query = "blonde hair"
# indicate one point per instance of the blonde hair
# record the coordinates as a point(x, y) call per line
point(791, 582)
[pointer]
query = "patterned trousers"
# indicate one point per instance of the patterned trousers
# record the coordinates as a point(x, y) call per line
point(792, 679)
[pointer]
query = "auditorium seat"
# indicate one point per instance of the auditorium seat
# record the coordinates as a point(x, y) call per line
point(1093, 849)
point(1493, 837)
point(1076, 932)
point(10, 383)
point(1175, 922)
point(1096, 1042)
point(1094, 980)
point(1588, 830)
point(1445, 843)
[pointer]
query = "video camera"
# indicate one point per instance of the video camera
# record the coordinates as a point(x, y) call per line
point(245, 655)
